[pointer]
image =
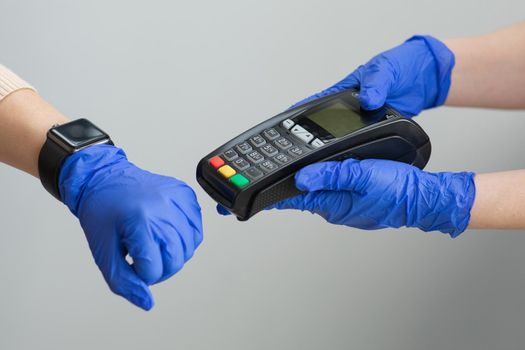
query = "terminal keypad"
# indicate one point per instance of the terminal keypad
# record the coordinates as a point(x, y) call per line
point(257, 156)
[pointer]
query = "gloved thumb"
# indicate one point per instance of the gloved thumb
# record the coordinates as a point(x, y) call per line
point(376, 83)
point(123, 281)
point(331, 176)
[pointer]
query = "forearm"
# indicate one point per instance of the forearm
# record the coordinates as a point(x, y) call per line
point(500, 201)
point(25, 118)
point(489, 70)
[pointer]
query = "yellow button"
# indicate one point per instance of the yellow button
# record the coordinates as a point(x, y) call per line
point(227, 171)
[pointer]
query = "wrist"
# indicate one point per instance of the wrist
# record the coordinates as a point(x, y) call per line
point(24, 115)
point(83, 169)
point(449, 198)
point(444, 60)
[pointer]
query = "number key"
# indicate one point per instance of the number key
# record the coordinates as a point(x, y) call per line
point(271, 134)
point(296, 151)
point(257, 140)
point(230, 154)
point(253, 173)
point(241, 164)
point(269, 150)
point(268, 166)
point(283, 143)
point(244, 147)
point(282, 159)
point(255, 157)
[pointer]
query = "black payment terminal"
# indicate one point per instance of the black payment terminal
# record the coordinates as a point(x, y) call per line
point(257, 168)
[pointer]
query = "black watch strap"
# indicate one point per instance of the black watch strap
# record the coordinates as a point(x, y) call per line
point(49, 164)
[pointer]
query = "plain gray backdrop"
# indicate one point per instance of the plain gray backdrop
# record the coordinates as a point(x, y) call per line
point(172, 80)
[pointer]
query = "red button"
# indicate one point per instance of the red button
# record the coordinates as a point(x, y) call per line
point(216, 162)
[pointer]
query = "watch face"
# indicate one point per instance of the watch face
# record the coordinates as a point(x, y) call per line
point(79, 133)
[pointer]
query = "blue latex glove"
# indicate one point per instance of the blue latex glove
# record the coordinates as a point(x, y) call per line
point(126, 210)
point(373, 194)
point(410, 77)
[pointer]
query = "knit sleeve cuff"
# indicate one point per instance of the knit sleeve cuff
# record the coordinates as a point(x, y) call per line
point(10, 82)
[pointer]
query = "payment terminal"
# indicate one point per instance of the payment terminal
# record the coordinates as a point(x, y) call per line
point(257, 168)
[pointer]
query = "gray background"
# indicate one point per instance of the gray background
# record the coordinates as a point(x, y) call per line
point(156, 74)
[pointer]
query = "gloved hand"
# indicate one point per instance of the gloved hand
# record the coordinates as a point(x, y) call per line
point(126, 210)
point(410, 77)
point(373, 194)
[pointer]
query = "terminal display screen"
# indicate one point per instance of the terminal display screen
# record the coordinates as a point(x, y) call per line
point(338, 119)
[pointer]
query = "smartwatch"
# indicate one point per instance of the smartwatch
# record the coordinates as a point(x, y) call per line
point(62, 141)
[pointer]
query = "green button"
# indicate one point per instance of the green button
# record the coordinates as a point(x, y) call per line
point(239, 180)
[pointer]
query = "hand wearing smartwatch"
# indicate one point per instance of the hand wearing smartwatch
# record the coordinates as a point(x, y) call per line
point(123, 210)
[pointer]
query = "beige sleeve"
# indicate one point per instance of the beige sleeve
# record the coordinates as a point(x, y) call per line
point(10, 82)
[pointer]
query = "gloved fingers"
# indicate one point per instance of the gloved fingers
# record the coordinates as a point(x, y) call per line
point(180, 226)
point(186, 201)
point(376, 84)
point(177, 239)
point(334, 176)
point(222, 210)
point(173, 256)
point(350, 81)
point(315, 202)
point(144, 250)
point(297, 202)
point(123, 281)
